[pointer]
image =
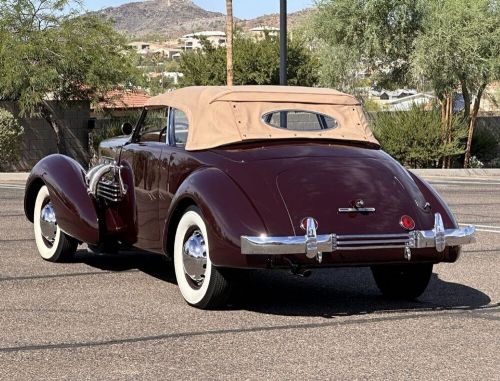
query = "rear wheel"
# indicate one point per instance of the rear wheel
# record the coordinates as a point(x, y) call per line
point(52, 243)
point(201, 284)
point(406, 281)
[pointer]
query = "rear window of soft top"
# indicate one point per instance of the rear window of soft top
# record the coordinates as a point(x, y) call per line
point(299, 120)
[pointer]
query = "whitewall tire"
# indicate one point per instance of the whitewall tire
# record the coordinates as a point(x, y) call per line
point(200, 283)
point(52, 243)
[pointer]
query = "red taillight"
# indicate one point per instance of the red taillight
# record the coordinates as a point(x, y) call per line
point(303, 223)
point(407, 223)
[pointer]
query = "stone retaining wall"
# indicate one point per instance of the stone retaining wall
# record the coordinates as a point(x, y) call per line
point(39, 138)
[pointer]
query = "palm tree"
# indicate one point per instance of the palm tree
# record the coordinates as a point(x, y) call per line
point(229, 41)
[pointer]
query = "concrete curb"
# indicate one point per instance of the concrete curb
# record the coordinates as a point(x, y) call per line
point(13, 176)
point(465, 173)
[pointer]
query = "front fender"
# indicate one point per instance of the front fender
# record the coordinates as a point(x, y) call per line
point(74, 208)
point(227, 212)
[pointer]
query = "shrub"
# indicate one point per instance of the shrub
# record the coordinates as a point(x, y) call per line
point(11, 133)
point(475, 163)
point(107, 129)
point(414, 137)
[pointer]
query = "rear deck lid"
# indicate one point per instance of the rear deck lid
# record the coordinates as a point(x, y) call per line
point(287, 183)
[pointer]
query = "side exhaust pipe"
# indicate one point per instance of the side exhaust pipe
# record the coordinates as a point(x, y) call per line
point(105, 180)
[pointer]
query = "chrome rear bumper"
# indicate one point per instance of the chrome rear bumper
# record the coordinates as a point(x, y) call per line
point(313, 245)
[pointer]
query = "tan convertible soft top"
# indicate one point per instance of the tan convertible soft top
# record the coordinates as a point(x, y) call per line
point(220, 115)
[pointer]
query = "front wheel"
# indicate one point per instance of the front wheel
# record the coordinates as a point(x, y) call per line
point(200, 283)
point(406, 281)
point(52, 243)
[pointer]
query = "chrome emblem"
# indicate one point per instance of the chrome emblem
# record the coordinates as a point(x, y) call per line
point(359, 204)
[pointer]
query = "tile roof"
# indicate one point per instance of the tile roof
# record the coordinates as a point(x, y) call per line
point(123, 99)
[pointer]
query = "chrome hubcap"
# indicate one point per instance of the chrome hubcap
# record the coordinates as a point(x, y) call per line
point(194, 256)
point(48, 223)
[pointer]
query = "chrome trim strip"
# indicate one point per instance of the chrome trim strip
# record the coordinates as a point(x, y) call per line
point(123, 189)
point(372, 247)
point(107, 192)
point(313, 245)
point(368, 236)
point(356, 210)
point(374, 241)
point(103, 192)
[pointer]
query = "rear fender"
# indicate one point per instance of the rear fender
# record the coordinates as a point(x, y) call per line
point(74, 207)
point(226, 210)
point(438, 205)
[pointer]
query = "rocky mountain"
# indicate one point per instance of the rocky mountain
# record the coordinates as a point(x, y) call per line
point(174, 18)
point(171, 18)
point(294, 20)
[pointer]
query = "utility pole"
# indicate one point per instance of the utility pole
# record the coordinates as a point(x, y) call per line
point(283, 56)
point(283, 43)
point(229, 42)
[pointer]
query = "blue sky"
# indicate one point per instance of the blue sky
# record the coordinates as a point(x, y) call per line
point(243, 9)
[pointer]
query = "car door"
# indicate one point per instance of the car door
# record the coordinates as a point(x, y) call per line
point(143, 154)
point(175, 157)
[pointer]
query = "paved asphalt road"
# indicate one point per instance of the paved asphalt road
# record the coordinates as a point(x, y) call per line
point(105, 317)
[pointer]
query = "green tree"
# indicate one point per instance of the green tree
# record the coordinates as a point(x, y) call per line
point(460, 48)
point(444, 45)
point(48, 51)
point(160, 85)
point(255, 63)
point(11, 133)
point(373, 35)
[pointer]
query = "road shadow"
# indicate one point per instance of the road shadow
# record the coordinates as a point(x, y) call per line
point(151, 264)
point(345, 292)
point(327, 292)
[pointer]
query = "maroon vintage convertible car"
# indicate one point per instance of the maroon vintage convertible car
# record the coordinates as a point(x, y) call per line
point(248, 177)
